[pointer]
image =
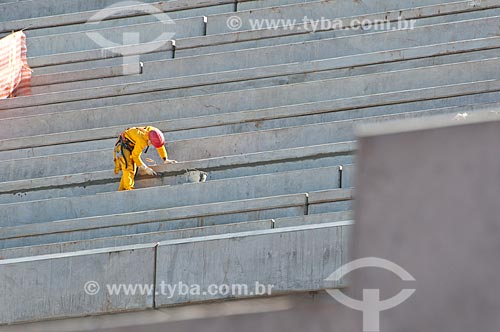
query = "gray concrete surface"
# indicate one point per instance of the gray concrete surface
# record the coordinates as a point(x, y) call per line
point(261, 38)
point(358, 64)
point(245, 121)
point(169, 196)
point(297, 258)
point(53, 286)
point(268, 162)
point(138, 93)
point(441, 178)
point(154, 237)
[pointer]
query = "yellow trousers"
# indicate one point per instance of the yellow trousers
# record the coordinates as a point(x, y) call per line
point(128, 168)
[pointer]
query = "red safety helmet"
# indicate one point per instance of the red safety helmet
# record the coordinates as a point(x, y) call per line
point(156, 138)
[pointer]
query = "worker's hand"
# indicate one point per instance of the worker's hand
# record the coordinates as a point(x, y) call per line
point(170, 161)
point(148, 170)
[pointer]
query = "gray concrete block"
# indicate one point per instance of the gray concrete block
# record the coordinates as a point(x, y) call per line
point(346, 87)
point(441, 177)
point(316, 10)
point(390, 103)
point(268, 162)
point(79, 21)
point(159, 220)
point(289, 259)
point(154, 237)
point(358, 64)
point(53, 286)
point(164, 197)
point(348, 172)
point(148, 32)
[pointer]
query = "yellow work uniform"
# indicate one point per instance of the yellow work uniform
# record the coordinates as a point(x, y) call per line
point(128, 152)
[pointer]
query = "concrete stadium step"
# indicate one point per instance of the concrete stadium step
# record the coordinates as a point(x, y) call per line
point(261, 162)
point(170, 196)
point(264, 119)
point(61, 293)
point(27, 250)
point(268, 37)
point(239, 165)
point(209, 147)
point(236, 41)
point(190, 27)
point(289, 14)
point(38, 8)
point(245, 121)
point(302, 61)
point(253, 98)
point(268, 162)
point(159, 225)
point(125, 93)
point(127, 14)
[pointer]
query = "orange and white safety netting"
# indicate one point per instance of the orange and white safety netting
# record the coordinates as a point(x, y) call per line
point(15, 74)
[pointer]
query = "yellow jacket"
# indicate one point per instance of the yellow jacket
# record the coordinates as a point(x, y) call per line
point(139, 136)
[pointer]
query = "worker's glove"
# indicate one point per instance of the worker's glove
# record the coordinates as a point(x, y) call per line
point(148, 170)
point(169, 161)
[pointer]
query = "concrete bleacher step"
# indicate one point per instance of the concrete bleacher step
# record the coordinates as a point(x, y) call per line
point(296, 60)
point(226, 167)
point(246, 164)
point(170, 196)
point(216, 24)
point(56, 141)
point(236, 40)
point(307, 254)
point(343, 87)
point(165, 224)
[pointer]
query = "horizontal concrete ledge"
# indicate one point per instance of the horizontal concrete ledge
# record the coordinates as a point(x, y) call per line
point(61, 294)
point(335, 105)
point(291, 259)
point(106, 242)
point(207, 165)
point(56, 289)
point(428, 123)
point(337, 63)
point(160, 215)
point(327, 196)
point(108, 13)
point(169, 214)
point(218, 78)
point(245, 187)
point(87, 74)
point(221, 39)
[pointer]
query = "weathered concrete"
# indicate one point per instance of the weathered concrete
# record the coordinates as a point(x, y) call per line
point(164, 197)
point(330, 201)
point(368, 63)
point(134, 14)
point(79, 41)
point(157, 236)
point(237, 122)
point(348, 173)
point(322, 9)
point(53, 286)
point(183, 150)
point(441, 180)
point(289, 259)
point(225, 101)
point(252, 39)
point(226, 167)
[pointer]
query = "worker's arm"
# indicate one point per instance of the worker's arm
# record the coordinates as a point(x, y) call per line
point(163, 154)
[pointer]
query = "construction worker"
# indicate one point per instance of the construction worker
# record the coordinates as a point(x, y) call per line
point(128, 150)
